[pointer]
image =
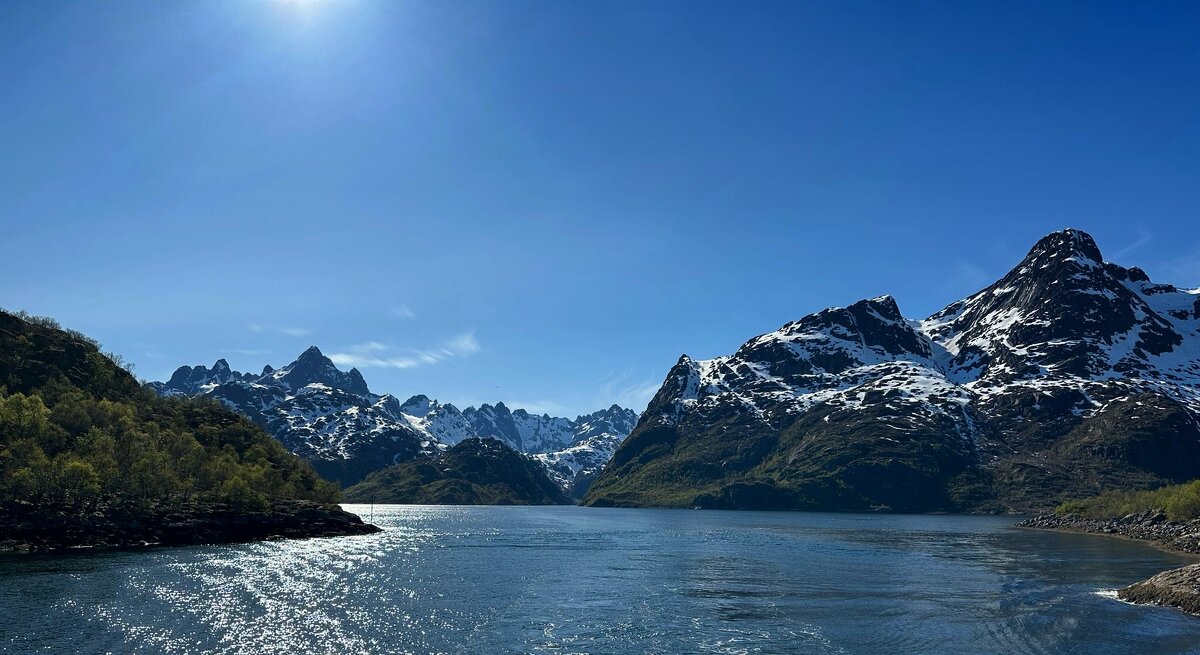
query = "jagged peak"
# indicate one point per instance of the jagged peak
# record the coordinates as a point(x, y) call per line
point(884, 305)
point(220, 365)
point(312, 352)
point(181, 373)
point(1136, 274)
point(1065, 244)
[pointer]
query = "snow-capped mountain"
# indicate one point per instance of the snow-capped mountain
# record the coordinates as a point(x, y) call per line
point(597, 437)
point(331, 418)
point(1067, 375)
point(522, 431)
point(326, 416)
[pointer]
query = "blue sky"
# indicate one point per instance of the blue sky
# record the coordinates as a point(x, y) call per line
point(545, 203)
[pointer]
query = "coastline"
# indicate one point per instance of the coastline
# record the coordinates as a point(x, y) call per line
point(25, 529)
point(1150, 527)
point(1178, 588)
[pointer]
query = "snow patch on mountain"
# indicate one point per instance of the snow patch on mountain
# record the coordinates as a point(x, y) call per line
point(330, 417)
point(1061, 321)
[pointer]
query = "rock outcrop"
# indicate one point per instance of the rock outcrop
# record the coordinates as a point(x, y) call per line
point(1178, 588)
point(24, 528)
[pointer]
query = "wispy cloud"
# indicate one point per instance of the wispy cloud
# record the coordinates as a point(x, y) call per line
point(148, 350)
point(369, 347)
point(539, 407)
point(627, 390)
point(289, 331)
point(1184, 270)
point(1144, 237)
point(377, 355)
point(403, 311)
point(965, 278)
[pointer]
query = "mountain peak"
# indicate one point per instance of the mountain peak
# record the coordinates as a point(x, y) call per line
point(1067, 243)
point(313, 366)
point(884, 305)
point(419, 405)
point(312, 352)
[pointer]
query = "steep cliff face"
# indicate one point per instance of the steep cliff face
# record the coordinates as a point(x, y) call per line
point(1067, 375)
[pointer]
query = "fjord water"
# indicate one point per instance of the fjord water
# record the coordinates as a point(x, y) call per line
point(577, 580)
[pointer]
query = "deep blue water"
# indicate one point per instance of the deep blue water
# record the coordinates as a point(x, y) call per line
point(573, 580)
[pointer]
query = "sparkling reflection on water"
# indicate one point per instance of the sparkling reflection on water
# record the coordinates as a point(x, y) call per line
point(574, 580)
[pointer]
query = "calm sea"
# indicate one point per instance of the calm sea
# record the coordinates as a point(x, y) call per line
point(564, 580)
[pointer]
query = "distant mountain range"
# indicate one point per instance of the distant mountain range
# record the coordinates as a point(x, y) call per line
point(331, 419)
point(1067, 376)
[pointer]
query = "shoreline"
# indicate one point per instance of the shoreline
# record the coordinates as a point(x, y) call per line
point(1178, 588)
point(1149, 527)
point(26, 529)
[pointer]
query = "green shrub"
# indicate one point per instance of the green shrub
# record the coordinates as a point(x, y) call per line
point(1181, 502)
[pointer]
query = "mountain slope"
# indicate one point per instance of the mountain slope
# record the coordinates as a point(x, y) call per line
point(472, 472)
point(598, 435)
point(332, 420)
point(1066, 376)
point(88, 457)
point(327, 417)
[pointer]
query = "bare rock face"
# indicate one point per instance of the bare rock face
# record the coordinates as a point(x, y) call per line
point(1178, 588)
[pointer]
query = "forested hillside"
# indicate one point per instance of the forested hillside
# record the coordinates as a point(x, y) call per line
point(80, 436)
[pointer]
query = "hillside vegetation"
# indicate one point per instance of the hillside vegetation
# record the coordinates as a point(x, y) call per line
point(473, 472)
point(1180, 502)
point(78, 433)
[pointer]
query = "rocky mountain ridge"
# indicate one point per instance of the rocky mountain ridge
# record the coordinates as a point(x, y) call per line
point(331, 419)
point(1066, 375)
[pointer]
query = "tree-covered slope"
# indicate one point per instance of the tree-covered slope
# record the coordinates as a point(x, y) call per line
point(79, 437)
point(473, 472)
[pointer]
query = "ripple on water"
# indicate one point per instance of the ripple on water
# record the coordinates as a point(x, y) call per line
point(575, 580)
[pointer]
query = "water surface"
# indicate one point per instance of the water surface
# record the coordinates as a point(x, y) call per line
point(493, 580)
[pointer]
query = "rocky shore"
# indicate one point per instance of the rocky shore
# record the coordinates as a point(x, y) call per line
point(25, 528)
point(1178, 588)
point(1175, 588)
point(1150, 526)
